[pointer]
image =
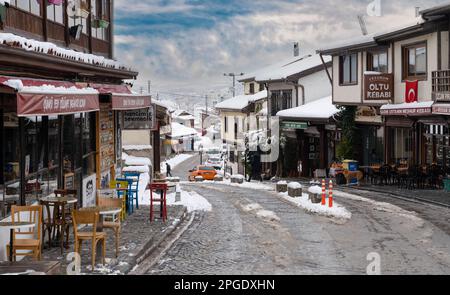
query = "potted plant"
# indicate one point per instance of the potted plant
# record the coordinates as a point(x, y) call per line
point(100, 23)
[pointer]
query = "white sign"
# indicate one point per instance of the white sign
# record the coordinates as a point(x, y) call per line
point(89, 191)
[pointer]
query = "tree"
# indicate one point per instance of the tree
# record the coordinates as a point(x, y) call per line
point(350, 137)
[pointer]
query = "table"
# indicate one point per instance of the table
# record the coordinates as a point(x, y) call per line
point(13, 226)
point(58, 218)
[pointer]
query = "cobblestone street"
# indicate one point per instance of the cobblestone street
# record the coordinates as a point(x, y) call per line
point(234, 239)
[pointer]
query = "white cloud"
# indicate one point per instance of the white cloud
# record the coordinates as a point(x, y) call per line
point(194, 59)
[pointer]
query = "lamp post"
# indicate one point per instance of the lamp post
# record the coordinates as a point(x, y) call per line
point(234, 75)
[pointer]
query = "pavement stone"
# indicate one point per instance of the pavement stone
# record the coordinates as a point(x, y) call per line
point(138, 238)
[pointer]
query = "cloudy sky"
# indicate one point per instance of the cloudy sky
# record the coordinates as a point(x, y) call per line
point(185, 46)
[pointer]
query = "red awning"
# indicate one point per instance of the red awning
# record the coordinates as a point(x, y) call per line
point(46, 97)
point(123, 98)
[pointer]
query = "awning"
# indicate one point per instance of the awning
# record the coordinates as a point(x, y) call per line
point(123, 98)
point(46, 97)
point(408, 109)
point(318, 110)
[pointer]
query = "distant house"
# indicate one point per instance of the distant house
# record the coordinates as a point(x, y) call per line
point(184, 118)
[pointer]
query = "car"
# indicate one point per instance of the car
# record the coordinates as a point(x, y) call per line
point(207, 172)
point(215, 162)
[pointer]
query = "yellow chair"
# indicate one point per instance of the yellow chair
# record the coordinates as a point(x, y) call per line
point(32, 240)
point(91, 218)
point(122, 185)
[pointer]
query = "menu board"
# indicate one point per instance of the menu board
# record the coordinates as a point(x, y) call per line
point(106, 140)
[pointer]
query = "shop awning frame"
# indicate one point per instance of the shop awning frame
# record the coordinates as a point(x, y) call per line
point(408, 109)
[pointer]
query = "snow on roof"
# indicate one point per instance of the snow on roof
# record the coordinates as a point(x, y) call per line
point(411, 105)
point(52, 49)
point(242, 101)
point(47, 89)
point(319, 109)
point(179, 130)
point(371, 38)
point(295, 67)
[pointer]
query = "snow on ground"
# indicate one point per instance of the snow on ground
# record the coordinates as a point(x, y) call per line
point(303, 202)
point(249, 185)
point(383, 206)
point(260, 212)
point(191, 200)
point(175, 161)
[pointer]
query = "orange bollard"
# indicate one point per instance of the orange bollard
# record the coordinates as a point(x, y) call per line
point(324, 195)
point(330, 194)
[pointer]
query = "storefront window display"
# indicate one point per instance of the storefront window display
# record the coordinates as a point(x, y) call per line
point(402, 145)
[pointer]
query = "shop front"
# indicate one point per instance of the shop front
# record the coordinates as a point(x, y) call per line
point(48, 135)
point(120, 109)
point(369, 124)
point(310, 134)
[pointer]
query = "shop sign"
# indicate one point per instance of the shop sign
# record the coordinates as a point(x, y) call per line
point(140, 119)
point(131, 102)
point(407, 111)
point(29, 104)
point(89, 189)
point(294, 125)
point(441, 96)
point(379, 87)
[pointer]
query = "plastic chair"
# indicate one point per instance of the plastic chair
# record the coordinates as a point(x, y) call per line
point(162, 189)
point(134, 190)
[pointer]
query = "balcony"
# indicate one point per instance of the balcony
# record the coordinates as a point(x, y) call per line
point(441, 85)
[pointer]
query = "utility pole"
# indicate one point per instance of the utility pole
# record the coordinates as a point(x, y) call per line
point(234, 75)
point(149, 86)
point(206, 104)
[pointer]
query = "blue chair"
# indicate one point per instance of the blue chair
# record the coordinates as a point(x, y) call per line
point(134, 189)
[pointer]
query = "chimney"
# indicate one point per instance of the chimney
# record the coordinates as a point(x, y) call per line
point(296, 49)
point(417, 11)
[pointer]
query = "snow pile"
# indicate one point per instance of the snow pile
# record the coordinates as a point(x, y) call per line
point(295, 185)
point(191, 200)
point(238, 176)
point(136, 161)
point(51, 49)
point(141, 169)
point(249, 185)
point(136, 147)
point(282, 182)
point(411, 105)
point(303, 202)
point(316, 190)
point(260, 212)
point(175, 161)
point(48, 89)
point(319, 109)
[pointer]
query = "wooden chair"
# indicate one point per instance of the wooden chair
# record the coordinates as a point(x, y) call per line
point(112, 222)
point(124, 185)
point(66, 214)
point(33, 244)
point(91, 218)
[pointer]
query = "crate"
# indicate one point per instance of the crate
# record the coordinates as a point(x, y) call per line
point(447, 184)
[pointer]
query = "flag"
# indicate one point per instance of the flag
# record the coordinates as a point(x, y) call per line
point(412, 91)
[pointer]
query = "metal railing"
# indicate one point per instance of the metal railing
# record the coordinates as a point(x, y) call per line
point(441, 85)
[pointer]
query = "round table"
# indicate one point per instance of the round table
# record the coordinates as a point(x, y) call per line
point(68, 200)
point(13, 226)
point(104, 210)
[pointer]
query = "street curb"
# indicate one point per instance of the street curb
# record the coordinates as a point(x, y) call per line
point(153, 243)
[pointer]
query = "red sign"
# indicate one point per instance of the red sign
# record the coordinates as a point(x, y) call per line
point(412, 91)
point(30, 104)
point(130, 102)
point(407, 111)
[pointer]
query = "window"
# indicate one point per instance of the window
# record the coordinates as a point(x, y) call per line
point(252, 88)
point(226, 124)
point(55, 13)
point(415, 62)
point(348, 68)
point(377, 61)
point(402, 144)
point(261, 87)
point(281, 100)
point(32, 6)
point(100, 10)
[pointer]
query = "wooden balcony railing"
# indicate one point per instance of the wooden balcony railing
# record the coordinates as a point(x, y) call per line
point(441, 85)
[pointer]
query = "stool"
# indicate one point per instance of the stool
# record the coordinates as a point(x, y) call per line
point(162, 189)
